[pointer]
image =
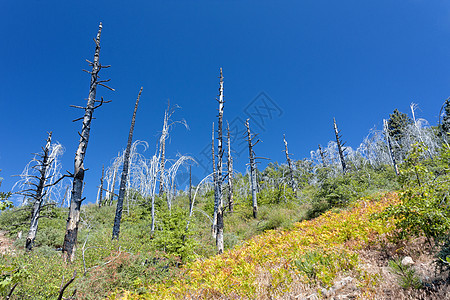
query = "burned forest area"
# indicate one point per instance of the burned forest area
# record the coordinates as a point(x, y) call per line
point(368, 222)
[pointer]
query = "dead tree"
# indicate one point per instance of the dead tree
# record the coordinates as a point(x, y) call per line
point(340, 146)
point(322, 156)
point(251, 156)
point(100, 197)
point(113, 187)
point(230, 171)
point(216, 194)
point(291, 169)
point(70, 238)
point(39, 193)
point(190, 187)
point(162, 150)
point(389, 144)
point(123, 180)
point(219, 177)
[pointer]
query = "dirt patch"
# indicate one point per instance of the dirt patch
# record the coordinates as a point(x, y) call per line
point(6, 244)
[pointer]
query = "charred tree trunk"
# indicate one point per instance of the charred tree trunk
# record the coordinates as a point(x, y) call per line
point(70, 238)
point(322, 156)
point(251, 156)
point(123, 180)
point(340, 147)
point(291, 169)
point(100, 198)
point(389, 144)
point(219, 237)
point(39, 195)
point(230, 171)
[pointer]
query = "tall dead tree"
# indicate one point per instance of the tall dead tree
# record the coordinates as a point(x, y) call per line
point(39, 193)
point(216, 194)
point(123, 180)
point(162, 150)
point(340, 146)
point(291, 168)
point(322, 156)
point(100, 197)
point(389, 144)
point(251, 156)
point(230, 171)
point(219, 237)
point(70, 238)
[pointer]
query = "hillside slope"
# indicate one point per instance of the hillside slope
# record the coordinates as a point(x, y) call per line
point(339, 254)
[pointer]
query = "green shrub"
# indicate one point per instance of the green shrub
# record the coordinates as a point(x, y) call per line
point(406, 275)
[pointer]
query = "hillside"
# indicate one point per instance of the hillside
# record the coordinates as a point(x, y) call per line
point(340, 254)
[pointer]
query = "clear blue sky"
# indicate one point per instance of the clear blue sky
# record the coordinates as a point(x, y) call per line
point(353, 60)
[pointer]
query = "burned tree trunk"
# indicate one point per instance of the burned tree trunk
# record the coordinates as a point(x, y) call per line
point(389, 144)
point(123, 180)
point(291, 169)
point(216, 194)
point(251, 156)
point(100, 198)
point(340, 147)
point(39, 195)
point(230, 171)
point(70, 238)
point(219, 237)
point(322, 156)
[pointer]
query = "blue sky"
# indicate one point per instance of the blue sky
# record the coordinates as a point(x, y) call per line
point(314, 60)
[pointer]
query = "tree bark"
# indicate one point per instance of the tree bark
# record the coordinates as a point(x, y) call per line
point(251, 156)
point(163, 149)
point(219, 237)
point(230, 171)
point(70, 238)
point(123, 180)
point(291, 169)
point(340, 147)
point(389, 144)
point(38, 197)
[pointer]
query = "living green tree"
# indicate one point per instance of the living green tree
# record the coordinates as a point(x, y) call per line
point(446, 118)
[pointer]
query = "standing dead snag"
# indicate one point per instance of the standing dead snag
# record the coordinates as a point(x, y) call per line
point(251, 156)
point(162, 149)
point(100, 191)
point(389, 144)
point(340, 147)
point(230, 171)
point(38, 196)
point(123, 180)
point(216, 194)
point(322, 156)
point(70, 238)
point(219, 237)
point(291, 169)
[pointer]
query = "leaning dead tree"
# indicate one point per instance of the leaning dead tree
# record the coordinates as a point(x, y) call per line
point(70, 238)
point(123, 180)
point(340, 146)
point(219, 177)
point(230, 171)
point(251, 156)
point(39, 193)
point(291, 168)
point(389, 144)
